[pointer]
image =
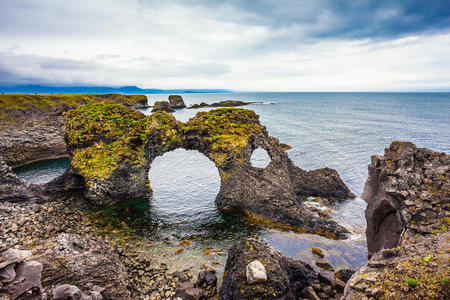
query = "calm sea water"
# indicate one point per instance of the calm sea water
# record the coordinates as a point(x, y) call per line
point(336, 130)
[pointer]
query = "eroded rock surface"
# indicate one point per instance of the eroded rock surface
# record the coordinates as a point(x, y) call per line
point(30, 125)
point(110, 145)
point(226, 103)
point(176, 101)
point(286, 278)
point(162, 106)
point(407, 214)
point(15, 189)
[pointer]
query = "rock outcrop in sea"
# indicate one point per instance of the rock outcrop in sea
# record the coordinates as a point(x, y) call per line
point(176, 101)
point(162, 106)
point(225, 103)
point(31, 128)
point(407, 214)
point(283, 278)
point(111, 144)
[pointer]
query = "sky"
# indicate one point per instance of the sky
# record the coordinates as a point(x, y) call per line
point(254, 45)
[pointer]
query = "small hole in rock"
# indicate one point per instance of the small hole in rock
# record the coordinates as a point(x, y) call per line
point(260, 158)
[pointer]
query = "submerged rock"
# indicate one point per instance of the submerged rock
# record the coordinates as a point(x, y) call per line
point(162, 106)
point(120, 148)
point(286, 278)
point(407, 226)
point(176, 101)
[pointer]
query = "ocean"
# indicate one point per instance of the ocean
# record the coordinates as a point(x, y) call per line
point(335, 130)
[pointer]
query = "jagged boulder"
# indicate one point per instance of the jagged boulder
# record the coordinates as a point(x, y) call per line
point(162, 106)
point(176, 101)
point(110, 145)
point(19, 278)
point(286, 278)
point(15, 189)
point(407, 218)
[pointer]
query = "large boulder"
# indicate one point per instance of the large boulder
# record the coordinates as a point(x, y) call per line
point(407, 218)
point(19, 278)
point(110, 145)
point(15, 189)
point(162, 106)
point(285, 278)
point(176, 101)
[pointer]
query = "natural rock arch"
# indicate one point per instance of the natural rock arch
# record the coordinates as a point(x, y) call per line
point(111, 148)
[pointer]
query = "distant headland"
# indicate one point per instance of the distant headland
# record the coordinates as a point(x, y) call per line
point(42, 89)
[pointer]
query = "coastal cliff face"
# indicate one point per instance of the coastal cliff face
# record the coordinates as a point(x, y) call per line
point(407, 214)
point(110, 145)
point(31, 128)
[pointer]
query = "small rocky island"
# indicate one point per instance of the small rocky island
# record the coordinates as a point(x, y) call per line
point(53, 246)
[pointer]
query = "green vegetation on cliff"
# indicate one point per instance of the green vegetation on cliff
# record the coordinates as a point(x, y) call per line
point(100, 137)
point(43, 102)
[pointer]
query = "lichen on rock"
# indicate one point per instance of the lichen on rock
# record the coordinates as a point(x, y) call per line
point(111, 145)
point(407, 226)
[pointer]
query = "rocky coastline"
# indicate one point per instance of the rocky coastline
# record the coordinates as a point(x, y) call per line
point(57, 244)
point(31, 125)
point(225, 103)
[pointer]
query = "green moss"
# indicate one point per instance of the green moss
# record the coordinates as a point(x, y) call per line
point(412, 282)
point(101, 136)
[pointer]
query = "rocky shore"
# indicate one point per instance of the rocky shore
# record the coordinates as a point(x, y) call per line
point(407, 214)
point(31, 127)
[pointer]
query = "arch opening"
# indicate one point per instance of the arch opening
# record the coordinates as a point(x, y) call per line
point(260, 158)
point(185, 184)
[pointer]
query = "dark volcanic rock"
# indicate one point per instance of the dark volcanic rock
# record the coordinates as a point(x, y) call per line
point(176, 101)
point(286, 278)
point(162, 106)
point(19, 278)
point(80, 260)
point(15, 189)
point(226, 136)
point(407, 226)
point(226, 103)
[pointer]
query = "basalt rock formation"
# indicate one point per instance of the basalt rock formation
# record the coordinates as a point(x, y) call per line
point(407, 214)
point(30, 125)
point(226, 103)
point(286, 278)
point(15, 189)
point(162, 106)
point(176, 101)
point(111, 145)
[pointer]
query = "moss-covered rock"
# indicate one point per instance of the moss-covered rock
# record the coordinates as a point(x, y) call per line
point(30, 125)
point(162, 106)
point(112, 148)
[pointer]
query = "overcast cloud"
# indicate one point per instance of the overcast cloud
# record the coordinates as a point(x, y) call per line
point(266, 45)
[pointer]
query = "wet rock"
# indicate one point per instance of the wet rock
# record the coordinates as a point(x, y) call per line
point(255, 272)
point(176, 101)
point(286, 278)
point(324, 265)
point(317, 251)
point(162, 106)
point(309, 293)
point(344, 274)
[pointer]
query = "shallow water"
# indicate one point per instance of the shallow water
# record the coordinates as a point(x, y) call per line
point(336, 130)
